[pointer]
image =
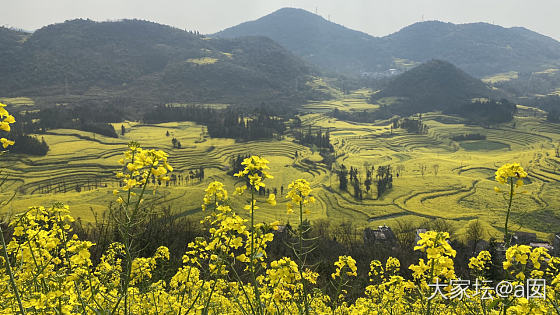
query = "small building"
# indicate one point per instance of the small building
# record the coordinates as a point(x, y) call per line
point(383, 234)
point(543, 245)
point(523, 238)
point(556, 245)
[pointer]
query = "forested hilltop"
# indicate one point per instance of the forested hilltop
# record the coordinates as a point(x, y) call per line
point(148, 61)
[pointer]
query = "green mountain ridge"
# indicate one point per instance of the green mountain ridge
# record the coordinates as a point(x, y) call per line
point(480, 49)
point(146, 60)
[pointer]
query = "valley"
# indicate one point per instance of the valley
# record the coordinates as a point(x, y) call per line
point(433, 176)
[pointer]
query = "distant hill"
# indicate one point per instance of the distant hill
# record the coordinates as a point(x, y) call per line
point(440, 86)
point(435, 85)
point(480, 49)
point(148, 61)
point(328, 45)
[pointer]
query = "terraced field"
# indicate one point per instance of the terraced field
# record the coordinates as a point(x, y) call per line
point(437, 177)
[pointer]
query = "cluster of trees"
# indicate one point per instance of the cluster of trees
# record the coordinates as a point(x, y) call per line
point(179, 179)
point(363, 116)
point(176, 143)
point(316, 137)
point(411, 125)
point(469, 136)
point(94, 118)
point(226, 123)
point(25, 143)
point(485, 112)
point(553, 115)
point(383, 180)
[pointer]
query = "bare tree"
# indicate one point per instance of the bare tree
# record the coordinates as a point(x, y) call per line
point(436, 169)
point(321, 228)
point(405, 232)
point(440, 225)
point(422, 167)
point(475, 233)
point(400, 169)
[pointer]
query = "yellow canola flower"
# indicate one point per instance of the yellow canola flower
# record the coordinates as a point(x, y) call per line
point(271, 199)
point(299, 193)
point(7, 119)
point(511, 170)
point(255, 171)
point(345, 262)
point(6, 142)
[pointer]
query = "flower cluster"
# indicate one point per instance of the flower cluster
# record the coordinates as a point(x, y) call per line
point(482, 262)
point(345, 264)
point(255, 171)
point(439, 255)
point(299, 193)
point(511, 171)
point(214, 194)
point(228, 271)
point(141, 164)
point(6, 120)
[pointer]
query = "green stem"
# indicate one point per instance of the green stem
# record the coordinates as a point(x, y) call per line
point(9, 269)
point(506, 237)
point(255, 285)
point(431, 280)
point(302, 259)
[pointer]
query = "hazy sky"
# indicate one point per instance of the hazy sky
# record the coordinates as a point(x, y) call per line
point(376, 17)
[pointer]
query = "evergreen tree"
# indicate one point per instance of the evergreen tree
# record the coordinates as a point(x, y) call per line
point(343, 178)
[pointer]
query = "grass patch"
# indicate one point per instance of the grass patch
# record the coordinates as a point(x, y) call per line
point(483, 145)
point(203, 60)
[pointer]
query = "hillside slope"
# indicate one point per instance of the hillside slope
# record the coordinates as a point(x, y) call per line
point(434, 85)
point(145, 60)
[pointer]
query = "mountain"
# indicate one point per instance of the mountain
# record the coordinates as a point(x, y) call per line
point(434, 85)
point(323, 43)
point(10, 48)
point(148, 61)
point(480, 49)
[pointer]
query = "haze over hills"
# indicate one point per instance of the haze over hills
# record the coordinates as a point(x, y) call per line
point(478, 48)
point(147, 60)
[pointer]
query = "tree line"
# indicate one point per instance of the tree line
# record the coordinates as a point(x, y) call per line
point(85, 117)
point(411, 125)
point(314, 137)
point(222, 123)
point(25, 143)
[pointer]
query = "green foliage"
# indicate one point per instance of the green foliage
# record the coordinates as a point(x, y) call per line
point(30, 145)
point(486, 112)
